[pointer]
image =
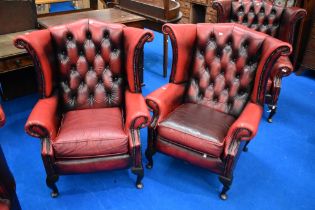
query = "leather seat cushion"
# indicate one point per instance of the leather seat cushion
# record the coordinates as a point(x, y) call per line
point(91, 133)
point(197, 127)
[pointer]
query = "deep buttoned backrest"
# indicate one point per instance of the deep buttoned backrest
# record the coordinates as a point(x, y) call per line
point(224, 67)
point(258, 15)
point(90, 58)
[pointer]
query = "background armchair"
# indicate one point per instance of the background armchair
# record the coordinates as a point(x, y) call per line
point(91, 107)
point(8, 198)
point(213, 103)
point(276, 21)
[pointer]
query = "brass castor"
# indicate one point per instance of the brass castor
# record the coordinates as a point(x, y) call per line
point(148, 166)
point(223, 196)
point(270, 120)
point(139, 186)
point(226, 181)
point(54, 194)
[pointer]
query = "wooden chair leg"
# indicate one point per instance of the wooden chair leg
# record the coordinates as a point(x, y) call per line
point(245, 148)
point(273, 110)
point(226, 186)
point(149, 152)
point(140, 174)
point(51, 183)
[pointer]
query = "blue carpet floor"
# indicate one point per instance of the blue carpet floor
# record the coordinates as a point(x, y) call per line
point(61, 7)
point(277, 172)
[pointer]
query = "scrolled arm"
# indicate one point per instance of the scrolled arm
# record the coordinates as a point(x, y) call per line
point(137, 113)
point(164, 100)
point(134, 40)
point(137, 116)
point(246, 126)
point(2, 117)
point(43, 121)
point(282, 68)
point(223, 8)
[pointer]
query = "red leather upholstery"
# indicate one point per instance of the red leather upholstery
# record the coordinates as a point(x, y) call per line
point(43, 121)
point(224, 68)
point(197, 127)
point(2, 117)
point(4, 206)
point(260, 16)
point(91, 133)
point(91, 108)
point(89, 58)
point(215, 101)
point(164, 100)
point(276, 21)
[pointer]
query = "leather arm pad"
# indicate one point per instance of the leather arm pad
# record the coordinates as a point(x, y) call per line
point(164, 100)
point(2, 117)
point(137, 116)
point(137, 113)
point(43, 120)
point(134, 40)
point(223, 8)
point(246, 126)
point(282, 68)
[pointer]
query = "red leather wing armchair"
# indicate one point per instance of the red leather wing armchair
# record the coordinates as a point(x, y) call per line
point(8, 198)
point(91, 106)
point(213, 103)
point(281, 23)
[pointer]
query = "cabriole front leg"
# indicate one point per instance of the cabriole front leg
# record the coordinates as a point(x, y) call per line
point(231, 159)
point(275, 92)
point(226, 186)
point(273, 110)
point(140, 174)
point(48, 160)
point(51, 183)
point(137, 167)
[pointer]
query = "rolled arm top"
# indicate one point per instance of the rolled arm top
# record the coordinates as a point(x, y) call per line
point(282, 68)
point(43, 121)
point(164, 100)
point(246, 126)
point(137, 113)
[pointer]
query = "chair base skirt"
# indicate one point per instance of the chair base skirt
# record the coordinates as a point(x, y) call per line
point(224, 168)
point(64, 167)
point(213, 164)
point(79, 166)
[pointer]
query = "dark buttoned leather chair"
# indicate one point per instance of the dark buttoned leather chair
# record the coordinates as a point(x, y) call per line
point(214, 101)
point(276, 21)
point(91, 106)
point(8, 198)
